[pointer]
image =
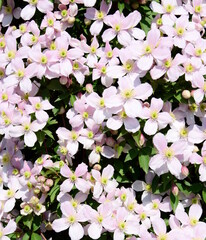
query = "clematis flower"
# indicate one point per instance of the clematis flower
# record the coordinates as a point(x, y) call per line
point(167, 158)
point(29, 10)
point(10, 228)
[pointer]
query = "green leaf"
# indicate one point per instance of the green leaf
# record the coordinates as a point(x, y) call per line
point(196, 187)
point(26, 236)
point(27, 220)
point(121, 7)
point(55, 85)
point(136, 137)
point(52, 121)
point(131, 155)
point(174, 201)
point(48, 133)
point(53, 193)
point(72, 99)
point(36, 223)
point(40, 137)
point(155, 183)
point(18, 218)
point(144, 162)
point(36, 236)
point(204, 194)
point(120, 148)
point(1, 2)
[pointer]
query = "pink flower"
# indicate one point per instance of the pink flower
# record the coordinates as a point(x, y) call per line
point(29, 10)
point(10, 228)
point(167, 158)
point(70, 219)
point(156, 120)
point(74, 178)
point(120, 26)
point(98, 16)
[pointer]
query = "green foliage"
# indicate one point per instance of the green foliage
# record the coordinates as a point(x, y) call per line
point(174, 201)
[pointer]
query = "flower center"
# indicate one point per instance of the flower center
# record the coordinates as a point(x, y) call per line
point(73, 177)
point(1, 73)
point(198, 9)
point(123, 114)
point(155, 205)
point(33, 2)
point(148, 187)
point(10, 193)
point(27, 174)
point(180, 31)
point(8, 10)
point(198, 52)
point(169, 8)
point(26, 127)
point(128, 94)
point(44, 59)
point(5, 159)
point(131, 206)
point(117, 28)
point(123, 197)
point(100, 218)
point(194, 201)
point(168, 63)
point(193, 221)
point(159, 21)
point(74, 203)
point(148, 49)
point(104, 180)
point(22, 28)
point(20, 73)
point(100, 15)
point(40, 160)
point(38, 106)
point(63, 150)
point(154, 115)
point(98, 149)
point(74, 135)
point(204, 160)
point(1, 233)
point(85, 115)
point(50, 22)
point(34, 39)
point(109, 54)
point(122, 225)
point(64, 13)
point(128, 66)
point(63, 53)
point(90, 135)
point(183, 132)
point(27, 209)
point(104, 70)
point(162, 237)
point(4, 97)
point(93, 49)
point(142, 216)
point(75, 66)
point(11, 54)
point(71, 219)
point(189, 68)
point(15, 171)
point(102, 103)
point(169, 153)
point(7, 121)
point(2, 44)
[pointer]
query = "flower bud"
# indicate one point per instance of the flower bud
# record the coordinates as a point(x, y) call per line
point(135, 5)
point(195, 149)
point(87, 21)
point(89, 88)
point(34, 200)
point(36, 191)
point(61, 110)
point(175, 190)
point(185, 171)
point(186, 94)
point(141, 140)
point(41, 179)
point(49, 182)
point(79, 95)
point(110, 142)
point(71, 20)
point(45, 188)
point(97, 167)
point(63, 80)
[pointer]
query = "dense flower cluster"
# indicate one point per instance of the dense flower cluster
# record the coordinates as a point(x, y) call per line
point(129, 93)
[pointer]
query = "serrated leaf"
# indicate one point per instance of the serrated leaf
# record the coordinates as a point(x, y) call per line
point(36, 236)
point(174, 200)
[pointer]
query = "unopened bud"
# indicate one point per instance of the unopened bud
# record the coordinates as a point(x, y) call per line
point(79, 95)
point(34, 200)
point(62, 110)
point(192, 93)
point(49, 182)
point(45, 188)
point(135, 5)
point(87, 21)
point(71, 20)
point(175, 190)
point(141, 140)
point(186, 94)
point(97, 167)
point(41, 179)
point(63, 80)
point(37, 191)
point(110, 142)
point(89, 88)
point(185, 171)
point(195, 149)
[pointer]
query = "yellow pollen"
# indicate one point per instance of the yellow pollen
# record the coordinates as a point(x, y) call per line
point(168, 63)
point(123, 197)
point(7, 121)
point(11, 54)
point(33, 2)
point(74, 203)
point(27, 174)
point(204, 160)
point(8, 10)
point(71, 219)
point(38, 106)
point(117, 28)
point(75, 66)
point(4, 97)
point(169, 153)
point(123, 114)
point(93, 49)
point(183, 132)
point(34, 39)
point(131, 206)
point(109, 54)
point(74, 135)
point(44, 59)
point(198, 52)
point(10, 193)
point(40, 160)
point(128, 66)
point(63, 53)
point(27, 208)
point(154, 115)
point(100, 219)
point(180, 31)
point(53, 46)
point(193, 221)
point(198, 9)
point(148, 49)
point(128, 94)
point(2, 44)
point(122, 225)
point(1, 73)
point(22, 28)
point(169, 8)
point(189, 68)
point(142, 216)
point(162, 237)
point(102, 103)
point(104, 70)
point(50, 22)
point(5, 159)
point(26, 127)
point(155, 205)
point(85, 115)
point(20, 73)
point(64, 13)
point(73, 177)
point(63, 150)
point(148, 187)
point(159, 21)
point(15, 171)
point(100, 15)
point(195, 201)
point(98, 149)
point(193, 107)
point(90, 135)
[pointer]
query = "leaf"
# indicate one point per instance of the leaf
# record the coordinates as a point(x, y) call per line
point(136, 137)
point(40, 137)
point(36, 236)
point(174, 201)
point(1, 2)
point(55, 85)
point(155, 183)
point(72, 99)
point(18, 218)
point(144, 162)
point(36, 223)
point(27, 220)
point(120, 148)
point(121, 7)
point(131, 155)
point(48, 133)
point(53, 193)
point(26, 236)
point(196, 187)
point(52, 121)
point(204, 194)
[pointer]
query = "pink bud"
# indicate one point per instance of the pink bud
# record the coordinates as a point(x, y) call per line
point(79, 95)
point(41, 179)
point(97, 167)
point(185, 171)
point(71, 20)
point(175, 190)
point(45, 188)
point(186, 94)
point(141, 140)
point(89, 88)
point(49, 182)
point(146, 104)
point(192, 93)
point(63, 80)
point(110, 142)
